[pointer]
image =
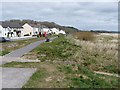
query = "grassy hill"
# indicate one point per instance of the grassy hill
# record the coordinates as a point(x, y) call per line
point(69, 62)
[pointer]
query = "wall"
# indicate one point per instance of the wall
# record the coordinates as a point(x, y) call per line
point(27, 29)
point(3, 31)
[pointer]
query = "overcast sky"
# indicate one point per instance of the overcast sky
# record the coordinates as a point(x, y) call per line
point(82, 15)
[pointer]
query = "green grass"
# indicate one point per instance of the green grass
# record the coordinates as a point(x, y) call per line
point(59, 49)
point(98, 56)
point(3, 52)
point(36, 78)
point(85, 78)
point(11, 46)
point(44, 70)
point(112, 69)
point(98, 61)
point(82, 77)
point(68, 75)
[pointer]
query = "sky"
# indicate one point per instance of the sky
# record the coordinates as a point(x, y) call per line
point(82, 15)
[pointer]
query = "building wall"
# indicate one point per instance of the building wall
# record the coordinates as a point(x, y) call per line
point(17, 29)
point(3, 31)
point(55, 31)
point(35, 31)
point(45, 30)
point(27, 29)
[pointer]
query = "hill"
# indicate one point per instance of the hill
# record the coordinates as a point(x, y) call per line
point(67, 29)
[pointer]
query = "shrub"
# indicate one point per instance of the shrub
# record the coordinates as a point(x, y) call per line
point(87, 36)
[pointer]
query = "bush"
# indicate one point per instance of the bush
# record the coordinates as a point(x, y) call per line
point(87, 36)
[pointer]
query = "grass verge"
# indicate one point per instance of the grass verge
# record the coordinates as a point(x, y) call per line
point(11, 46)
point(75, 69)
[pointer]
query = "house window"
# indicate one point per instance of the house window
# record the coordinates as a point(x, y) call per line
point(30, 33)
point(5, 34)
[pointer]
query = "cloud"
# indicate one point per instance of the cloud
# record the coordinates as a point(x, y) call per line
point(83, 15)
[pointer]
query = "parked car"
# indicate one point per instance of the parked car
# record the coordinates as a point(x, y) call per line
point(4, 39)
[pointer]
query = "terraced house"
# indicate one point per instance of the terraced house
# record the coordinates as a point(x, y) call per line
point(13, 29)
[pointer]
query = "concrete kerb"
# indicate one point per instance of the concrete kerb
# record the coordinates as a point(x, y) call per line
point(4, 60)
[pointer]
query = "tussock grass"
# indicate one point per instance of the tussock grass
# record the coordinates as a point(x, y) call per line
point(97, 55)
point(86, 36)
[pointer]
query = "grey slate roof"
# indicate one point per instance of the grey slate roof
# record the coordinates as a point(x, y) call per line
point(34, 25)
point(11, 25)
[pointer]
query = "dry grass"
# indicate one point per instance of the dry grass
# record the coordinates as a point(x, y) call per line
point(86, 36)
point(107, 37)
point(97, 55)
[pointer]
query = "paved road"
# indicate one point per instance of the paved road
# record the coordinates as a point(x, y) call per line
point(20, 52)
point(16, 77)
point(16, 39)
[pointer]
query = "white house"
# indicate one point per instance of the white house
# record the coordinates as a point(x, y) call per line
point(47, 30)
point(3, 31)
point(27, 30)
point(38, 28)
point(13, 29)
point(62, 32)
point(55, 31)
point(10, 29)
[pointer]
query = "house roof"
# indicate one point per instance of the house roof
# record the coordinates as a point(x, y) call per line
point(11, 25)
point(6, 24)
point(37, 25)
point(33, 25)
